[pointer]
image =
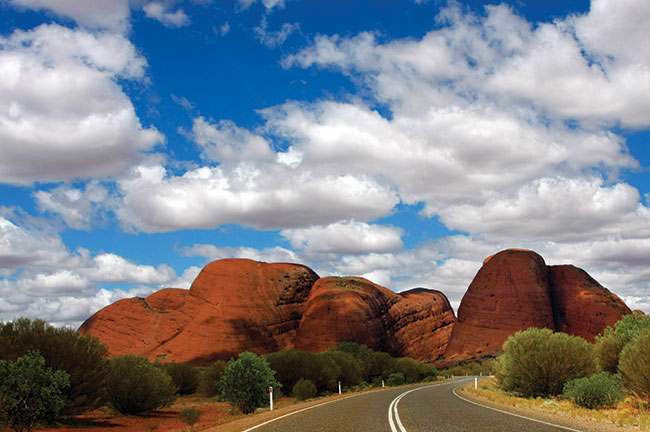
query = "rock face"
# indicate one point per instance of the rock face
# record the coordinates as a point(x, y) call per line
point(415, 323)
point(241, 305)
point(233, 305)
point(514, 290)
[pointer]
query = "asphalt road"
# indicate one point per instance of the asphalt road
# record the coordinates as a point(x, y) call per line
point(424, 408)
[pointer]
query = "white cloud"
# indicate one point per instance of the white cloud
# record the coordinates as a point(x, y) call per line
point(271, 255)
point(268, 4)
point(78, 208)
point(502, 58)
point(41, 278)
point(62, 114)
point(273, 39)
point(351, 237)
point(107, 14)
point(28, 246)
point(264, 196)
point(159, 12)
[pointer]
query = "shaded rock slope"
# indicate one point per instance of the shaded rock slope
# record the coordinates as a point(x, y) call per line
point(514, 290)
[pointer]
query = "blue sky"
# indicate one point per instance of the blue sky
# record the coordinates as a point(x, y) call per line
point(403, 141)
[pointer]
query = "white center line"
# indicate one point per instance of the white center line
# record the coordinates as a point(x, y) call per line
point(396, 424)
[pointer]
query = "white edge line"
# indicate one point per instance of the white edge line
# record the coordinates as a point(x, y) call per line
point(513, 414)
point(299, 411)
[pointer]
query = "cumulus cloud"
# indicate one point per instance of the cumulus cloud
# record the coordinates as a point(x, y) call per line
point(160, 12)
point(265, 196)
point(62, 113)
point(79, 208)
point(351, 237)
point(213, 253)
point(40, 277)
point(100, 14)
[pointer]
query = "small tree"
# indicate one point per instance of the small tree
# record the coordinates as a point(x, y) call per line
point(30, 393)
point(635, 365)
point(82, 357)
point(210, 379)
point(185, 377)
point(246, 381)
point(135, 386)
point(537, 362)
point(304, 389)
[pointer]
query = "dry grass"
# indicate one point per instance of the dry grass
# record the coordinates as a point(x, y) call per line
point(626, 413)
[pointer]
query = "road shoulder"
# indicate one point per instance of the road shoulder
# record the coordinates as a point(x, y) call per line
point(561, 419)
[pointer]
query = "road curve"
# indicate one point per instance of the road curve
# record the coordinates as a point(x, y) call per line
point(429, 408)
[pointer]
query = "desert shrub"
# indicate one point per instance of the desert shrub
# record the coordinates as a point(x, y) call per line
point(374, 363)
point(597, 391)
point(350, 369)
point(30, 393)
point(190, 416)
point(537, 362)
point(292, 365)
point(413, 370)
point(135, 386)
point(210, 379)
point(635, 364)
point(396, 379)
point(185, 377)
point(246, 381)
point(608, 350)
point(82, 357)
point(303, 389)
point(611, 342)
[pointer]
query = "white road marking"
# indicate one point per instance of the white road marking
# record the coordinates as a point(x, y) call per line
point(513, 414)
point(394, 412)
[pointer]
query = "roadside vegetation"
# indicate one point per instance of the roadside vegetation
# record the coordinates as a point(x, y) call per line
point(51, 376)
point(606, 381)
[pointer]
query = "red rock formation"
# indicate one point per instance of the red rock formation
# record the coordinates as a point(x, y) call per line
point(509, 293)
point(232, 306)
point(416, 323)
point(240, 305)
point(582, 306)
point(515, 290)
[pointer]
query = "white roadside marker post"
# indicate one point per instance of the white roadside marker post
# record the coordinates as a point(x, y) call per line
point(382, 383)
point(475, 383)
point(339, 387)
point(271, 397)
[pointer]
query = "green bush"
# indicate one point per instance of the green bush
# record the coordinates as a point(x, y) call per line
point(413, 370)
point(635, 365)
point(350, 369)
point(611, 342)
point(185, 377)
point(82, 357)
point(190, 416)
point(210, 379)
point(597, 391)
point(246, 381)
point(292, 365)
point(537, 362)
point(396, 379)
point(303, 389)
point(30, 393)
point(135, 386)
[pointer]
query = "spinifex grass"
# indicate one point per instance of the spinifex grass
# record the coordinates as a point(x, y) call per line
point(626, 413)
